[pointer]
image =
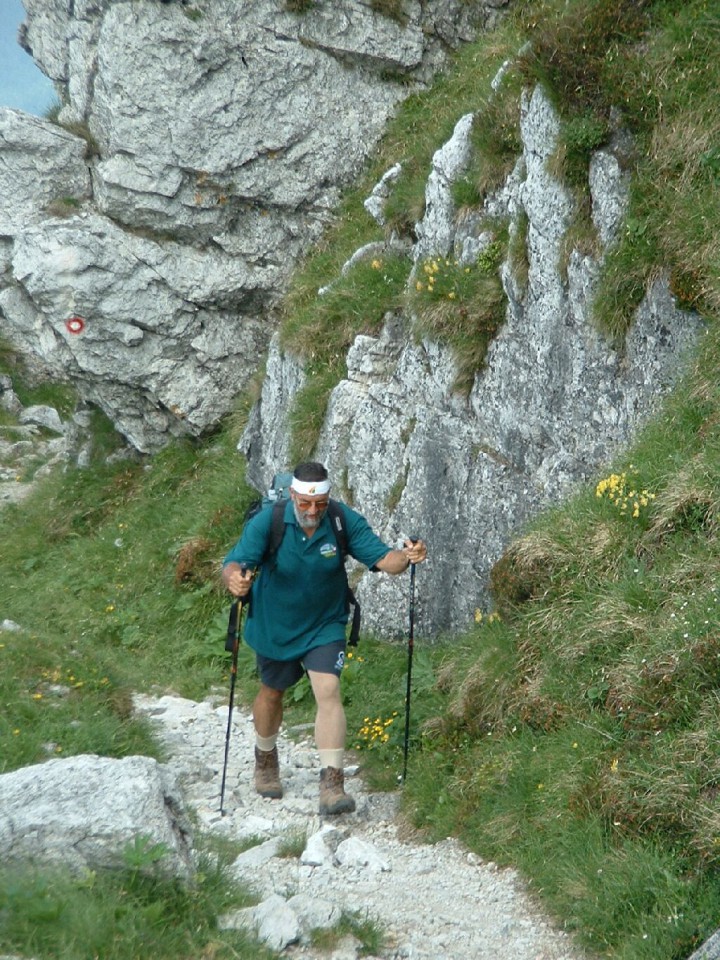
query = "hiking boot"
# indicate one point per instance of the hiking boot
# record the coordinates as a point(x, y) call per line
point(267, 773)
point(333, 798)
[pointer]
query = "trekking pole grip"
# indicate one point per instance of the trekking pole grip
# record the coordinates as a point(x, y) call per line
point(412, 565)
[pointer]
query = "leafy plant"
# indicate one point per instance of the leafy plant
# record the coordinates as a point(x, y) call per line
point(581, 135)
point(142, 854)
point(120, 915)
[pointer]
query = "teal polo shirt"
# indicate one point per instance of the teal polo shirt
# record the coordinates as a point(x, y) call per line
point(298, 597)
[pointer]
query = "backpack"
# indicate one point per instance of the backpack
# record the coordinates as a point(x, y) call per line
point(277, 496)
point(279, 490)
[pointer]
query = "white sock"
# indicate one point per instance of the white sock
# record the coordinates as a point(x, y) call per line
point(332, 758)
point(265, 743)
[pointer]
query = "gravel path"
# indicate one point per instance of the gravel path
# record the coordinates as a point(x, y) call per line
point(435, 902)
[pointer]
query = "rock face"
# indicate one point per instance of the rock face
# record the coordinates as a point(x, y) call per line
point(554, 403)
point(208, 150)
point(217, 147)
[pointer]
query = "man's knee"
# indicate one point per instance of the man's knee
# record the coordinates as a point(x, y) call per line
point(325, 686)
point(270, 696)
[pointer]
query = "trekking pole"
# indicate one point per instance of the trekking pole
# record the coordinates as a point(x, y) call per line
point(411, 645)
point(232, 643)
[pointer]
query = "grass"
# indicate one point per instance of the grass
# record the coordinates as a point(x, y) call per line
point(318, 328)
point(355, 925)
point(649, 66)
point(322, 329)
point(120, 914)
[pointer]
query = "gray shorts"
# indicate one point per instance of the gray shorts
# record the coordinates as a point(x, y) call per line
point(282, 674)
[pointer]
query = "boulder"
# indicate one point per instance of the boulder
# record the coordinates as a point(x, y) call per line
point(87, 812)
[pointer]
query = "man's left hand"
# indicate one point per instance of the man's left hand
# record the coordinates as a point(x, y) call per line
point(415, 550)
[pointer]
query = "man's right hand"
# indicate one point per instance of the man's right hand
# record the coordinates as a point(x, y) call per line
point(238, 579)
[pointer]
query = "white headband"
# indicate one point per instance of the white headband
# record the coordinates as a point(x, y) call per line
point(313, 488)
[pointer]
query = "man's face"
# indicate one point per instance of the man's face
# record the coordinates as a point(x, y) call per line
point(309, 511)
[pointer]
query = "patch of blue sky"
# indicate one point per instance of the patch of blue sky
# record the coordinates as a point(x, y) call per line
point(22, 84)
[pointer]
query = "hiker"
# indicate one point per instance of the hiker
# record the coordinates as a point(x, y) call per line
point(297, 617)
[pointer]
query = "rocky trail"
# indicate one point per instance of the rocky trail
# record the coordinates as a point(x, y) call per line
point(434, 902)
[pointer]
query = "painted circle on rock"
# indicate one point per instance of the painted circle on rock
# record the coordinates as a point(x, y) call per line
point(75, 324)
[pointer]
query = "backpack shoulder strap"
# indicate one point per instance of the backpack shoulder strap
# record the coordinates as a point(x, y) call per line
point(277, 529)
point(337, 519)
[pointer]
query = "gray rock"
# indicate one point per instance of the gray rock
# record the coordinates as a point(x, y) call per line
point(255, 857)
point(86, 811)
point(273, 921)
point(8, 398)
point(438, 901)
point(314, 913)
point(320, 847)
point(43, 416)
point(354, 852)
point(174, 325)
point(214, 164)
point(710, 950)
point(143, 323)
point(609, 190)
point(436, 230)
point(375, 203)
point(42, 166)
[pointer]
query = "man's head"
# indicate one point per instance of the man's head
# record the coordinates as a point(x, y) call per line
point(310, 493)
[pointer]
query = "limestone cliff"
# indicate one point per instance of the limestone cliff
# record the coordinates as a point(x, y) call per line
point(203, 147)
point(553, 404)
point(214, 148)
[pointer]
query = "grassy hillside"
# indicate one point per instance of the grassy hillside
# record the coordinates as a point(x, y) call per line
point(573, 730)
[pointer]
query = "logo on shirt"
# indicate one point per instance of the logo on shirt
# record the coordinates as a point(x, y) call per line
point(328, 550)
